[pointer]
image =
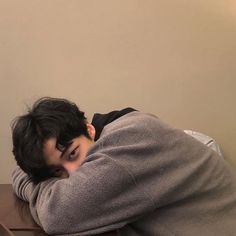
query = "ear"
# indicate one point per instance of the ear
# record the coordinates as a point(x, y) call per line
point(91, 130)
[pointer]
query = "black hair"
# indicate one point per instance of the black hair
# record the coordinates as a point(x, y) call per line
point(49, 118)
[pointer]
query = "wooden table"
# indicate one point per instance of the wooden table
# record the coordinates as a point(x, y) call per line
point(15, 215)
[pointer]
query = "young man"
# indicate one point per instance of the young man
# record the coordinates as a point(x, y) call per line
point(126, 171)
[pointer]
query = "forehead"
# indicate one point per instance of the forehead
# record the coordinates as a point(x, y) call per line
point(49, 146)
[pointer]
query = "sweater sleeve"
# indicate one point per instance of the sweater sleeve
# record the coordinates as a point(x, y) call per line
point(94, 199)
point(21, 183)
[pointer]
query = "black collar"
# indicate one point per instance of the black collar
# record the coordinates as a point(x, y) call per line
point(101, 120)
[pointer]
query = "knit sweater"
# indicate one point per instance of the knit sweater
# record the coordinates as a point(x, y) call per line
point(141, 177)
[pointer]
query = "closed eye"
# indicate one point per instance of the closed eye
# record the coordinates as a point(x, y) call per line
point(57, 171)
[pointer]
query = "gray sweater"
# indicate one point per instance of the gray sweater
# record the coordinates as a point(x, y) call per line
point(141, 177)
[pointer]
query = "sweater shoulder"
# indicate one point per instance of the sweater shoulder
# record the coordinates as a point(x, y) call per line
point(132, 119)
point(136, 122)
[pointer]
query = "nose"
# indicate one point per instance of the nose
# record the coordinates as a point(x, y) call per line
point(70, 166)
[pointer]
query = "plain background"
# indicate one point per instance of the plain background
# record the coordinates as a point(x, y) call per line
point(175, 59)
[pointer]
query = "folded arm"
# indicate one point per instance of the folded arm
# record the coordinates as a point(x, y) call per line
point(90, 201)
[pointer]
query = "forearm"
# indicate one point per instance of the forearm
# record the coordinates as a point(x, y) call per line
point(26, 190)
point(21, 183)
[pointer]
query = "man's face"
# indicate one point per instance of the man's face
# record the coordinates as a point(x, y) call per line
point(69, 159)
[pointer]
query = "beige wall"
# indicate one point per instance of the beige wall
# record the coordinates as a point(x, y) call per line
point(175, 59)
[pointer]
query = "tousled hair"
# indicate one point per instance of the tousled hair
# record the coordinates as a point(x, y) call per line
point(48, 118)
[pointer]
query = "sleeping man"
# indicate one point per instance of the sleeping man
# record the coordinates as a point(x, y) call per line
point(126, 171)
